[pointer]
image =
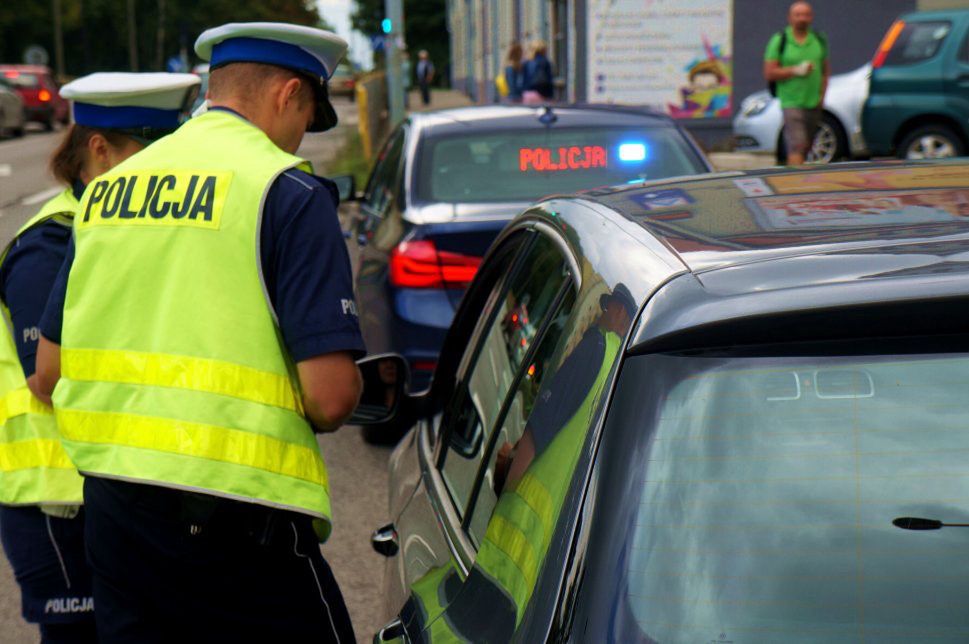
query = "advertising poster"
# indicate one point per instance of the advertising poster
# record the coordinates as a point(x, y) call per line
point(672, 55)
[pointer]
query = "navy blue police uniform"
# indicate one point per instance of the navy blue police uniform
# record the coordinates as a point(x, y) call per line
point(46, 551)
point(305, 266)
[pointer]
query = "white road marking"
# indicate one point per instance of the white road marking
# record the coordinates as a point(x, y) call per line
point(5, 170)
point(43, 195)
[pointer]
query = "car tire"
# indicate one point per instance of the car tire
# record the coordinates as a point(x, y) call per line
point(17, 132)
point(49, 125)
point(830, 142)
point(931, 142)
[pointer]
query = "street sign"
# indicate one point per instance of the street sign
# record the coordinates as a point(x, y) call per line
point(36, 55)
point(377, 42)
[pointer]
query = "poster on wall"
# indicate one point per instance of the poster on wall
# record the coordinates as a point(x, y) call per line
point(673, 55)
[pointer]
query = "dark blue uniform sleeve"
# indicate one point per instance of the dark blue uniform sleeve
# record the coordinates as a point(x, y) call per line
point(26, 278)
point(306, 268)
point(53, 317)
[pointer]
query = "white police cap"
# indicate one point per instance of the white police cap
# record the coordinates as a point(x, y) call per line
point(307, 50)
point(139, 103)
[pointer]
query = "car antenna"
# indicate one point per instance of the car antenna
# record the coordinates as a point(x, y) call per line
point(548, 116)
point(914, 523)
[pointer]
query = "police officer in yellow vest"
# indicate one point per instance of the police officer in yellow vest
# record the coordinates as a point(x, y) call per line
point(208, 328)
point(41, 520)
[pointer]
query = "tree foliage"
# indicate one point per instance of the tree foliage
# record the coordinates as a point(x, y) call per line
point(425, 27)
point(95, 32)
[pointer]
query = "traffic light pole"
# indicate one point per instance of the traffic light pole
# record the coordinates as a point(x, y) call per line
point(394, 10)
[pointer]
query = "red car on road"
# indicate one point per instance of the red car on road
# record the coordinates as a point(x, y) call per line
point(42, 101)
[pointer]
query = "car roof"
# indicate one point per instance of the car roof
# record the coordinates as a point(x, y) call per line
point(767, 242)
point(499, 117)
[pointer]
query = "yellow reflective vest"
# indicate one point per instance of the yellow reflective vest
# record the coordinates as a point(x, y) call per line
point(173, 371)
point(34, 469)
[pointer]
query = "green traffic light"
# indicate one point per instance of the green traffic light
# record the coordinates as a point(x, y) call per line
point(386, 25)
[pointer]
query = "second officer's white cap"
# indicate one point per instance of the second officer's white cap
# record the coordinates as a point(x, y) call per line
point(140, 103)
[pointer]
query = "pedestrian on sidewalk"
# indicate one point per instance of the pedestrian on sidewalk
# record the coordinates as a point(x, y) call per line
point(537, 81)
point(203, 329)
point(796, 63)
point(514, 74)
point(41, 510)
point(425, 75)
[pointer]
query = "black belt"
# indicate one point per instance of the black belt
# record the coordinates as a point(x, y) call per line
point(208, 515)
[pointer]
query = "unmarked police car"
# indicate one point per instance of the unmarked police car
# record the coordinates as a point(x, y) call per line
point(446, 183)
point(739, 416)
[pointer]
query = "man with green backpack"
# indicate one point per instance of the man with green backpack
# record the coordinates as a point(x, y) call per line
point(797, 69)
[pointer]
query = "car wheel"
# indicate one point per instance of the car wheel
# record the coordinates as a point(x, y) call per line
point(931, 142)
point(49, 125)
point(830, 142)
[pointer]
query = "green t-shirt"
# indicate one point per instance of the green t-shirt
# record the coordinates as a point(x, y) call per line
point(804, 92)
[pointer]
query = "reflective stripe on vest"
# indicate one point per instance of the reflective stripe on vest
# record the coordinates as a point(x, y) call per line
point(524, 519)
point(34, 468)
point(173, 371)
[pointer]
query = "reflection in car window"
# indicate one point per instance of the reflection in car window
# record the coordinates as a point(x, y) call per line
point(768, 488)
point(514, 423)
point(511, 327)
point(541, 468)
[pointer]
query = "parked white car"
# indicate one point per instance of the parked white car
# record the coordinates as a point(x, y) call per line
point(757, 126)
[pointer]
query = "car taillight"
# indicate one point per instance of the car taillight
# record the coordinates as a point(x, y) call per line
point(887, 43)
point(419, 264)
point(43, 95)
point(11, 74)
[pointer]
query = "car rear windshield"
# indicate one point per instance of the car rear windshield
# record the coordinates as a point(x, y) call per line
point(918, 41)
point(523, 165)
point(22, 79)
point(775, 499)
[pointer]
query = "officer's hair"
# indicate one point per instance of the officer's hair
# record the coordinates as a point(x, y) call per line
point(69, 158)
point(245, 82)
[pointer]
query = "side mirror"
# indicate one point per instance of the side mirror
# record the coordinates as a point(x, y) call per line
point(385, 379)
point(346, 186)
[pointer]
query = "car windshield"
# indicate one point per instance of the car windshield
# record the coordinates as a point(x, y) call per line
point(776, 500)
point(523, 165)
point(22, 79)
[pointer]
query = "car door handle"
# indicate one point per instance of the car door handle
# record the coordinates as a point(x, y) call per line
point(392, 631)
point(384, 540)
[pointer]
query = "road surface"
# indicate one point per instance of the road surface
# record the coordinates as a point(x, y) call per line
point(358, 472)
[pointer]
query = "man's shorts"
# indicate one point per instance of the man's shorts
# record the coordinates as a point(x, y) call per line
point(800, 126)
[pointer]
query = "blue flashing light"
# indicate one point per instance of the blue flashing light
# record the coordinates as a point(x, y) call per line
point(631, 152)
point(386, 25)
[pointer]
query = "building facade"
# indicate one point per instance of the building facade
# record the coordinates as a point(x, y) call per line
point(694, 59)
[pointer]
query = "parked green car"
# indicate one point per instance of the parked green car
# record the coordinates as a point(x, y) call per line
point(918, 103)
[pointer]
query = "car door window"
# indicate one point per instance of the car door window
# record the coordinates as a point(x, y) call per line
point(382, 188)
point(542, 362)
point(508, 328)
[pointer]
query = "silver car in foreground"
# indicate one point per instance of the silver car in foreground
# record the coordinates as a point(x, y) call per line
point(757, 126)
point(12, 117)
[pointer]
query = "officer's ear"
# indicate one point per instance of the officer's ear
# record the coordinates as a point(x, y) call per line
point(292, 89)
point(99, 154)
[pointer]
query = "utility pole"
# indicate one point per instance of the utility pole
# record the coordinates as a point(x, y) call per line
point(58, 41)
point(132, 38)
point(394, 42)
